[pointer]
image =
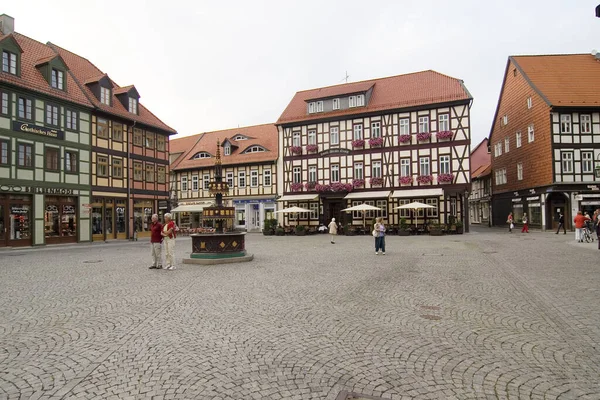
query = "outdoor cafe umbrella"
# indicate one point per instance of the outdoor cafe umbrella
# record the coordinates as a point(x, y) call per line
point(415, 205)
point(292, 210)
point(362, 207)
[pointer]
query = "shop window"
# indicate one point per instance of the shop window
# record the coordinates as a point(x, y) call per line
point(25, 154)
point(518, 212)
point(71, 162)
point(160, 143)
point(117, 168)
point(117, 132)
point(51, 157)
point(149, 140)
point(161, 175)
point(138, 172)
point(60, 219)
point(4, 152)
point(102, 128)
point(535, 214)
point(71, 120)
point(120, 221)
point(137, 137)
point(19, 219)
point(149, 172)
point(142, 215)
point(102, 166)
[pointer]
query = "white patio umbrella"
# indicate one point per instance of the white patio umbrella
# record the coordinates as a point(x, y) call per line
point(362, 207)
point(415, 205)
point(292, 210)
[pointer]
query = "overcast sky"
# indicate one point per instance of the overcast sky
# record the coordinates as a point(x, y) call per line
point(209, 65)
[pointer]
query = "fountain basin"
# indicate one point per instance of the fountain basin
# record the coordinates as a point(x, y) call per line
point(218, 248)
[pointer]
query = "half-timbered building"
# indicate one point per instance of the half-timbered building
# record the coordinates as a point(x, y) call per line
point(545, 139)
point(384, 142)
point(249, 159)
point(481, 185)
point(44, 145)
point(130, 154)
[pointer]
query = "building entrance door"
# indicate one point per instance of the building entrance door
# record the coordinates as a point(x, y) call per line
point(332, 208)
point(557, 204)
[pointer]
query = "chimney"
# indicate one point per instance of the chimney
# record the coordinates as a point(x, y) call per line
point(7, 24)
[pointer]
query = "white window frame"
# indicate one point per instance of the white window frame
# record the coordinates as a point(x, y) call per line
point(314, 210)
point(241, 179)
point(254, 178)
point(312, 136)
point(444, 161)
point(360, 100)
point(376, 171)
point(376, 129)
point(505, 120)
point(405, 167)
point(518, 139)
point(352, 101)
point(229, 179)
point(320, 106)
point(296, 139)
point(335, 173)
point(357, 131)
point(530, 133)
point(297, 174)
point(334, 135)
point(267, 177)
point(359, 172)
point(519, 171)
point(52, 114)
point(311, 107)
point(184, 183)
point(105, 95)
point(404, 126)
point(227, 149)
point(57, 79)
point(443, 122)
point(565, 123)
point(506, 145)
point(424, 164)
point(312, 173)
point(529, 102)
point(587, 162)
point(336, 104)
point(432, 212)
point(566, 162)
point(133, 105)
point(195, 183)
point(9, 62)
point(206, 181)
point(587, 124)
point(424, 124)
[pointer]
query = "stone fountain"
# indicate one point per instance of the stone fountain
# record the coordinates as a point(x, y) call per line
point(224, 245)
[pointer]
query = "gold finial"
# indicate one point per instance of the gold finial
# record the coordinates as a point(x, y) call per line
point(218, 157)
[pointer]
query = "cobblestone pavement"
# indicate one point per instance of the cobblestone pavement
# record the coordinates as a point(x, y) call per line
point(485, 315)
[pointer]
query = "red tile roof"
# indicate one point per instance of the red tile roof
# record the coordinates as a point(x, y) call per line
point(263, 135)
point(32, 79)
point(85, 71)
point(563, 79)
point(482, 171)
point(401, 91)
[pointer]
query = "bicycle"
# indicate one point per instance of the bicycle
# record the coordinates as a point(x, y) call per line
point(587, 235)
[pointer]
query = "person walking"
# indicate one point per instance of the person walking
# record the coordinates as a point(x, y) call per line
point(579, 221)
point(379, 234)
point(332, 230)
point(510, 221)
point(525, 225)
point(561, 224)
point(156, 242)
point(168, 234)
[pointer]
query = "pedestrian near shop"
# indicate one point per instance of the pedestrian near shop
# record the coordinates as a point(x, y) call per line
point(332, 230)
point(156, 242)
point(379, 234)
point(561, 224)
point(168, 234)
point(525, 224)
point(579, 221)
point(510, 221)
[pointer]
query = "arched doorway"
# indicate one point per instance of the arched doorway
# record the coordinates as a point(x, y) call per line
point(557, 203)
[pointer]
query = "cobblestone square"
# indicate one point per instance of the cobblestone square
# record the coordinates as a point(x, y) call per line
point(485, 315)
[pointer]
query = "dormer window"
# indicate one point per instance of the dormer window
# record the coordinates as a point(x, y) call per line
point(57, 79)
point(227, 149)
point(254, 149)
point(360, 100)
point(202, 154)
point(240, 137)
point(105, 95)
point(319, 106)
point(311, 108)
point(336, 104)
point(9, 62)
point(133, 105)
point(352, 101)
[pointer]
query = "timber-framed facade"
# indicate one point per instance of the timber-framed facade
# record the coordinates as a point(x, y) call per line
point(384, 142)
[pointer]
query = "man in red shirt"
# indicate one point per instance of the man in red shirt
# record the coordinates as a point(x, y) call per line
point(579, 224)
point(156, 239)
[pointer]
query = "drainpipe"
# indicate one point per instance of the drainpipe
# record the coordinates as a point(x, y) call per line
point(129, 171)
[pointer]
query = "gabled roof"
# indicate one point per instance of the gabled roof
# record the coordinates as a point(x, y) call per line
point(262, 135)
point(569, 80)
point(395, 92)
point(482, 171)
point(84, 71)
point(129, 90)
point(31, 78)
point(46, 60)
point(484, 142)
point(12, 38)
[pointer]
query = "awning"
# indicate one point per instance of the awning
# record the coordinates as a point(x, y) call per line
point(417, 193)
point(369, 195)
point(190, 208)
point(298, 197)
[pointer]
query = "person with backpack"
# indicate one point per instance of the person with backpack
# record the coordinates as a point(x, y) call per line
point(169, 235)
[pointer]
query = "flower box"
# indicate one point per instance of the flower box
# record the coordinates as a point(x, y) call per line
point(358, 183)
point(376, 142)
point(444, 135)
point(358, 143)
point(405, 180)
point(296, 149)
point(423, 136)
point(376, 181)
point(310, 185)
point(297, 186)
point(404, 138)
point(445, 178)
point(334, 187)
point(424, 179)
point(311, 148)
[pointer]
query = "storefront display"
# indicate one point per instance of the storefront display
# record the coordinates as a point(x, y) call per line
point(109, 218)
point(142, 216)
point(16, 228)
point(60, 219)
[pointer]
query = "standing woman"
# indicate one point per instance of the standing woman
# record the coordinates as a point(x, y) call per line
point(379, 234)
point(510, 221)
point(168, 234)
point(332, 230)
point(525, 226)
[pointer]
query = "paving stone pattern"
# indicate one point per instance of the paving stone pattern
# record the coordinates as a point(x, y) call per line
point(486, 315)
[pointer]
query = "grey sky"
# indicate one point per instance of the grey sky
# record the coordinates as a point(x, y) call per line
point(209, 65)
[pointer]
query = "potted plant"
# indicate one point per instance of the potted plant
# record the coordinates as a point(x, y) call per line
point(445, 178)
point(376, 142)
point(296, 186)
point(424, 179)
point(444, 135)
point(310, 185)
point(311, 148)
point(423, 136)
point(459, 227)
point(358, 183)
point(296, 149)
point(269, 227)
point(436, 229)
point(405, 180)
point(376, 181)
point(300, 230)
point(404, 138)
point(358, 143)
point(404, 228)
point(279, 231)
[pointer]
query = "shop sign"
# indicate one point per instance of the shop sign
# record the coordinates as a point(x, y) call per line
point(334, 151)
point(18, 210)
point(593, 187)
point(35, 190)
point(533, 198)
point(587, 196)
point(38, 130)
point(254, 201)
point(532, 191)
point(162, 204)
point(590, 202)
point(516, 200)
point(534, 204)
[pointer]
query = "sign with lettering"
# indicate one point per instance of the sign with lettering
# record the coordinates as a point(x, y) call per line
point(334, 151)
point(516, 200)
point(38, 130)
point(533, 198)
point(36, 190)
